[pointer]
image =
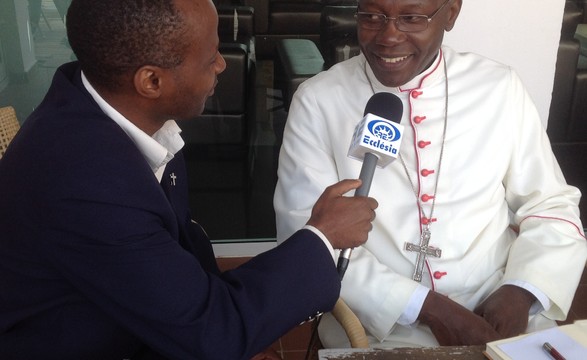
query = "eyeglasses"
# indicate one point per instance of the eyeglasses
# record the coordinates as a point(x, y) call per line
point(405, 23)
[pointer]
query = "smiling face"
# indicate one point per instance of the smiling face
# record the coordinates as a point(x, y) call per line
point(396, 57)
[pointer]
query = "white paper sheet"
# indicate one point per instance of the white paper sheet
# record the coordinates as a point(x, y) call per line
point(530, 347)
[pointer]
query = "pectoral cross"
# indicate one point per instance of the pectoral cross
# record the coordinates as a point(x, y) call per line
point(423, 250)
point(173, 177)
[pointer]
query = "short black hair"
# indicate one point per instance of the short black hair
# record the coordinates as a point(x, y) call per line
point(111, 38)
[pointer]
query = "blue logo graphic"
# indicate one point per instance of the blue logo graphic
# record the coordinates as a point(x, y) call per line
point(384, 130)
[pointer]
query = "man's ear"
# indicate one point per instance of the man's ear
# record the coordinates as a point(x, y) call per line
point(148, 80)
point(453, 13)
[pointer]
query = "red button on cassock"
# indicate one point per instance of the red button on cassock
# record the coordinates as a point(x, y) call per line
point(419, 119)
point(427, 221)
point(416, 93)
point(439, 274)
point(426, 197)
point(422, 144)
point(426, 172)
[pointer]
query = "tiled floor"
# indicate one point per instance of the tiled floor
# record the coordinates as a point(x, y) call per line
point(294, 344)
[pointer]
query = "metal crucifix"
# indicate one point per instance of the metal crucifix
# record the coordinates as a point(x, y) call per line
point(423, 250)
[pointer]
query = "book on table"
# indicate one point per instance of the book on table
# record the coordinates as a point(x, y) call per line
point(568, 340)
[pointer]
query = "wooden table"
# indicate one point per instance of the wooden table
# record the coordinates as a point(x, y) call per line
point(437, 353)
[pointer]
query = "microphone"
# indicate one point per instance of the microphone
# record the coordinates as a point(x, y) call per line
point(376, 141)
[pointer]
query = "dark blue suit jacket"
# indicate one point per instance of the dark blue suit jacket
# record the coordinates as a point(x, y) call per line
point(97, 262)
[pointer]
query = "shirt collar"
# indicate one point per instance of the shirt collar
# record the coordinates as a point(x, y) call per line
point(159, 149)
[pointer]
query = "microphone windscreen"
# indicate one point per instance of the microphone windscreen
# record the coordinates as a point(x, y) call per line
point(385, 105)
point(379, 132)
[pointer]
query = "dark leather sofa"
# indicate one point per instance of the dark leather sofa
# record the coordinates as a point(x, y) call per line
point(217, 150)
point(229, 112)
point(299, 59)
point(567, 122)
point(338, 34)
point(288, 19)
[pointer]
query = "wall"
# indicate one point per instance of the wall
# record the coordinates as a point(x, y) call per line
point(521, 33)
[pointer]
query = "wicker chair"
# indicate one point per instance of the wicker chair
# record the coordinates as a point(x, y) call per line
point(9, 126)
point(351, 325)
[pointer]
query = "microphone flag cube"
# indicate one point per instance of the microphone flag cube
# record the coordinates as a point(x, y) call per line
point(378, 136)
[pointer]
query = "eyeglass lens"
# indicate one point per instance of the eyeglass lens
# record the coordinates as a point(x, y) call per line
point(407, 23)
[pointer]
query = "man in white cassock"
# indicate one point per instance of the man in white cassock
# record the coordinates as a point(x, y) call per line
point(476, 173)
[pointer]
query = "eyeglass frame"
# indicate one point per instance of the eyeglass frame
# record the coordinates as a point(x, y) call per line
point(386, 18)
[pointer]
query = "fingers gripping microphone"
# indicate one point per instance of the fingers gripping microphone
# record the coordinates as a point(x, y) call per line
point(376, 141)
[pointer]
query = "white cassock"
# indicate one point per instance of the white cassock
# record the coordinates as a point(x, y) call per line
point(503, 211)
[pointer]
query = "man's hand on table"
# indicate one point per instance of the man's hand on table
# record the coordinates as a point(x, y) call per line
point(506, 310)
point(453, 324)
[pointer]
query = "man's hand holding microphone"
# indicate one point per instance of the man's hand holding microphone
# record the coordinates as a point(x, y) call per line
point(344, 220)
point(376, 142)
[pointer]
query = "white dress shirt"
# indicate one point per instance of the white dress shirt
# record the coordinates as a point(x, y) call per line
point(159, 149)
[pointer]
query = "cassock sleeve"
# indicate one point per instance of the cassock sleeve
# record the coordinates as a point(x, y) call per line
point(550, 249)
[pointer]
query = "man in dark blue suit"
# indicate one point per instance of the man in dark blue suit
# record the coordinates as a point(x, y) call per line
point(99, 257)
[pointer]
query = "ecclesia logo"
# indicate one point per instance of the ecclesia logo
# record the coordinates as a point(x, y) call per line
point(382, 135)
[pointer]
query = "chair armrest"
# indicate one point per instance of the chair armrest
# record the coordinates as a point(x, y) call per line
point(351, 325)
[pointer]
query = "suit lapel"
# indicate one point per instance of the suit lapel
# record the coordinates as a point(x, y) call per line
point(192, 236)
